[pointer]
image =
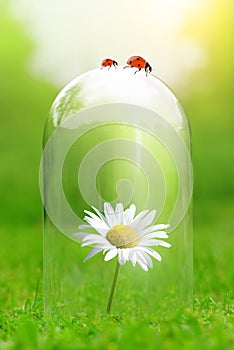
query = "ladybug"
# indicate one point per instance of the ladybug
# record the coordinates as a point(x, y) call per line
point(140, 63)
point(108, 62)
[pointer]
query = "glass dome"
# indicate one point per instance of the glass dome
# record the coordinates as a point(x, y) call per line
point(117, 145)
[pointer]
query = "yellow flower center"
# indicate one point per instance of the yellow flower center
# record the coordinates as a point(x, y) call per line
point(123, 236)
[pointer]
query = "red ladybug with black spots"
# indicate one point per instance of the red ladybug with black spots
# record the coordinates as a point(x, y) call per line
point(108, 62)
point(140, 63)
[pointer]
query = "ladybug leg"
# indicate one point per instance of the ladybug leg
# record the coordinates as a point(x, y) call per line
point(127, 67)
point(137, 70)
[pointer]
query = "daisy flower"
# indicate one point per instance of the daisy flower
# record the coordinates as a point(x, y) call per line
point(120, 233)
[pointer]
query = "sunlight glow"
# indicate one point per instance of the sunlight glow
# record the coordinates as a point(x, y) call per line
point(72, 38)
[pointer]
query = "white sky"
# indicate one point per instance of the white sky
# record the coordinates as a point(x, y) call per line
point(73, 36)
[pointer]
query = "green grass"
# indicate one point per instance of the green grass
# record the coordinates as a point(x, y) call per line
point(209, 326)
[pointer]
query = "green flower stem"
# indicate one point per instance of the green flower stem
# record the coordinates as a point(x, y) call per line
point(113, 288)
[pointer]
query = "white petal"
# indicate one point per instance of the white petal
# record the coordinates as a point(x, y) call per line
point(81, 227)
point(99, 214)
point(99, 225)
point(157, 234)
point(97, 245)
point(95, 222)
point(94, 236)
point(122, 258)
point(141, 257)
point(126, 253)
point(105, 247)
point(142, 265)
point(164, 244)
point(133, 257)
point(136, 257)
point(148, 260)
point(146, 221)
point(151, 252)
point(93, 216)
point(111, 254)
point(155, 228)
point(129, 214)
point(93, 252)
point(91, 243)
point(109, 214)
point(98, 240)
point(153, 242)
point(119, 210)
point(138, 218)
point(80, 234)
point(147, 243)
point(108, 208)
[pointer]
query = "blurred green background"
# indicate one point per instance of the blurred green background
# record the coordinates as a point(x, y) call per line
point(206, 92)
